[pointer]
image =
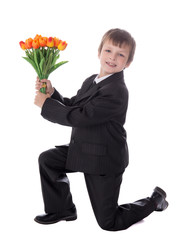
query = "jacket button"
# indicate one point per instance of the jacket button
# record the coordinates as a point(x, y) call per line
point(72, 141)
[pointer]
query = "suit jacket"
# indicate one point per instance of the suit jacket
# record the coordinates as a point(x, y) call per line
point(97, 115)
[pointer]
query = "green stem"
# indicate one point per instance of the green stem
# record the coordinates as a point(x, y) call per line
point(43, 89)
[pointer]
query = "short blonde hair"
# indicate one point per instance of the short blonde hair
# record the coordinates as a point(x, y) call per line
point(118, 38)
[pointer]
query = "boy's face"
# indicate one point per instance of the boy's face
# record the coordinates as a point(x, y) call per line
point(113, 59)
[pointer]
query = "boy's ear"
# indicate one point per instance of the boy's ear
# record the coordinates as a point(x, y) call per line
point(127, 65)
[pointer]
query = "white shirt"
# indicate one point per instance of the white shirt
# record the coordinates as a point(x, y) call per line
point(97, 79)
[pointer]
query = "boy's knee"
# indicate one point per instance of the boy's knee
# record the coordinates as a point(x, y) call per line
point(106, 225)
point(43, 158)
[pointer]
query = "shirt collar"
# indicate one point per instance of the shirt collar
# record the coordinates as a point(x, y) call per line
point(97, 79)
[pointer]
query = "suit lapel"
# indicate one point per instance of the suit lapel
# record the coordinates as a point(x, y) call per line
point(88, 90)
point(116, 78)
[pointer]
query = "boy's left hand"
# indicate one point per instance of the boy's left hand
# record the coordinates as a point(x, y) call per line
point(40, 98)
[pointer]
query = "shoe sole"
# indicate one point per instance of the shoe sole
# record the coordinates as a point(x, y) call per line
point(67, 219)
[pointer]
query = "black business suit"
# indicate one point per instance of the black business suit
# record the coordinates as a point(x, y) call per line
point(98, 148)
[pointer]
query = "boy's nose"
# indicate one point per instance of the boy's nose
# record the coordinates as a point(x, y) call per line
point(112, 57)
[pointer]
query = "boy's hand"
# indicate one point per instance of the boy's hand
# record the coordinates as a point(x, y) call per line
point(39, 85)
point(40, 98)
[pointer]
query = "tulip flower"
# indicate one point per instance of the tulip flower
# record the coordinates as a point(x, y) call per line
point(42, 42)
point(37, 36)
point(22, 45)
point(35, 43)
point(62, 45)
point(45, 38)
point(56, 41)
point(50, 42)
point(28, 43)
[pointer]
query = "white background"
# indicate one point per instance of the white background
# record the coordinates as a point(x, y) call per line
point(158, 120)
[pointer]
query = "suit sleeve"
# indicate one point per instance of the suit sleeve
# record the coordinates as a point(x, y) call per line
point(66, 101)
point(99, 109)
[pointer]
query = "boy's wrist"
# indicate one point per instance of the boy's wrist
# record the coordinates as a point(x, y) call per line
point(51, 93)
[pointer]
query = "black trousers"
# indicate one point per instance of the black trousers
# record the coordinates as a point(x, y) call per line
point(103, 192)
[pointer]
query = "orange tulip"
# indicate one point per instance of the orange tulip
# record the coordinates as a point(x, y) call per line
point(62, 45)
point(56, 41)
point(22, 45)
point(50, 42)
point(35, 44)
point(42, 42)
point(28, 43)
point(37, 36)
point(45, 38)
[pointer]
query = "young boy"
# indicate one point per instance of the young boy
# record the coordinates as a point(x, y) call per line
point(98, 145)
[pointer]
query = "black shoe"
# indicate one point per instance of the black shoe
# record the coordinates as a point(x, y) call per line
point(158, 198)
point(51, 218)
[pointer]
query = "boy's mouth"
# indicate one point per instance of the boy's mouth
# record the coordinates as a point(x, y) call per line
point(111, 64)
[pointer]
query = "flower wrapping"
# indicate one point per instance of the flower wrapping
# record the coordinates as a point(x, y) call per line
point(42, 53)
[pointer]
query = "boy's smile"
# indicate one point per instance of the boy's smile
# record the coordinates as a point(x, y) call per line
point(113, 58)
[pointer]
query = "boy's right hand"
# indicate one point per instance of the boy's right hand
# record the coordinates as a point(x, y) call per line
point(39, 85)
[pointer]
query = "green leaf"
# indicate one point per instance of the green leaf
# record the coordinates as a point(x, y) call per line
point(47, 53)
point(56, 66)
point(54, 60)
point(42, 65)
point(44, 52)
point(33, 64)
point(36, 59)
point(41, 55)
point(29, 54)
point(56, 52)
point(49, 63)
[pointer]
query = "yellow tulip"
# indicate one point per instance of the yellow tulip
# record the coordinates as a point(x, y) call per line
point(62, 45)
point(50, 42)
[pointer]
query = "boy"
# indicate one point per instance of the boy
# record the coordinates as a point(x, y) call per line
point(98, 145)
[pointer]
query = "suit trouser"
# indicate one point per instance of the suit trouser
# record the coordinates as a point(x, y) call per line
point(103, 192)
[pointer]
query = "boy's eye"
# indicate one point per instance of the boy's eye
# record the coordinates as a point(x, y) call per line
point(121, 55)
point(107, 50)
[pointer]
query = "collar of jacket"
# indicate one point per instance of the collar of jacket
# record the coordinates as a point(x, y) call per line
point(116, 77)
point(88, 91)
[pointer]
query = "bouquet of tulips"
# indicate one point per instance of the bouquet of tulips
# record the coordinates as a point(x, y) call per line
point(42, 53)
